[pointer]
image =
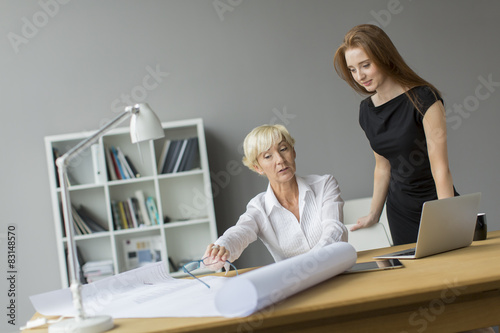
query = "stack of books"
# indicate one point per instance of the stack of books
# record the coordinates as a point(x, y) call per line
point(97, 270)
point(119, 165)
point(135, 212)
point(84, 222)
point(179, 155)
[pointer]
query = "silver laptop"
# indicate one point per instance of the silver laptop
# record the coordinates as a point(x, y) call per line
point(445, 225)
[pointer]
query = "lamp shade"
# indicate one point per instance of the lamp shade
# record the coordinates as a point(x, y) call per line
point(144, 124)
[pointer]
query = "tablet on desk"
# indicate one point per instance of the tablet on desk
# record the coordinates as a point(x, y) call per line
point(375, 266)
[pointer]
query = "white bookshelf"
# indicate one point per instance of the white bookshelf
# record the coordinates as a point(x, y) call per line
point(185, 197)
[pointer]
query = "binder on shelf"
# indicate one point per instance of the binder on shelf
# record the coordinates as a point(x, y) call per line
point(98, 164)
point(180, 155)
point(190, 155)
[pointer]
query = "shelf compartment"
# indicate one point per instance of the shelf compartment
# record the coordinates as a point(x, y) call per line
point(135, 248)
point(188, 201)
point(161, 147)
point(188, 242)
point(80, 170)
point(94, 202)
point(121, 193)
point(140, 154)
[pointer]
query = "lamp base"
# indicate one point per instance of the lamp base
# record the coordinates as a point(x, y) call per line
point(88, 325)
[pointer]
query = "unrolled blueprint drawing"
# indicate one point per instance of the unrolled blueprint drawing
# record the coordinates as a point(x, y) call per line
point(150, 292)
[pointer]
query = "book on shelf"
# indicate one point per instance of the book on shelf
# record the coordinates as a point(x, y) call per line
point(141, 201)
point(115, 211)
point(179, 155)
point(163, 155)
point(132, 167)
point(123, 214)
point(132, 213)
point(121, 169)
point(111, 164)
point(153, 211)
point(139, 251)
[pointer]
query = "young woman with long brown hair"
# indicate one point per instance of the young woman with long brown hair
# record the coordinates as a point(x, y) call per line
point(404, 120)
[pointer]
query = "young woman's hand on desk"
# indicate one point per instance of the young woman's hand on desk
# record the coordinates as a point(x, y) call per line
point(364, 222)
point(215, 257)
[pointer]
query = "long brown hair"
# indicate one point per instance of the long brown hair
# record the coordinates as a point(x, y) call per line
point(380, 49)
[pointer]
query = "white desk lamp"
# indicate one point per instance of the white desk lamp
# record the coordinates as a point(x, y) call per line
point(144, 125)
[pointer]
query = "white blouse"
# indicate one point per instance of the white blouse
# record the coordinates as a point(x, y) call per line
point(321, 215)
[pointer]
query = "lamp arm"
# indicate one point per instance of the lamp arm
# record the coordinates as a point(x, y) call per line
point(62, 164)
point(76, 150)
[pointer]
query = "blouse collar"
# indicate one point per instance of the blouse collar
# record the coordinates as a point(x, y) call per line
point(271, 201)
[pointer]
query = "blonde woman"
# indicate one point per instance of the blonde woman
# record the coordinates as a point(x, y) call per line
point(295, 214)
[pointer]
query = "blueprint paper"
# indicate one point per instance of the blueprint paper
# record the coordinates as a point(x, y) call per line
point(146, 292)
point(150, 292)
point(252, 291)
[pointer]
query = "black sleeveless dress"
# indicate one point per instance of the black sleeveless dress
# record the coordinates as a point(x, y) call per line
point(396, 132)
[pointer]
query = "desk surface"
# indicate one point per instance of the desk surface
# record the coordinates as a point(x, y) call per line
point(448, 292)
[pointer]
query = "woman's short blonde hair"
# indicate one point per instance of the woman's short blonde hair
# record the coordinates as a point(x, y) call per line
point(260, 139)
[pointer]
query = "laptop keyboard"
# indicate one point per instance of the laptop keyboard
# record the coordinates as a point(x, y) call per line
point(409, 252)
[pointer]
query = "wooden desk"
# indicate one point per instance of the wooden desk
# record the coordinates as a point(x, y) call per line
point(448, 292)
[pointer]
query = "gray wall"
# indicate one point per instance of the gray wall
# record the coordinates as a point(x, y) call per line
point(67, 66)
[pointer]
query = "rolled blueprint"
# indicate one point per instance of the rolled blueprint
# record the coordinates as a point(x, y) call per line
point(252, 291)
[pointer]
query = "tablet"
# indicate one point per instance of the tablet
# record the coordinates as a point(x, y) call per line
point(375, 266)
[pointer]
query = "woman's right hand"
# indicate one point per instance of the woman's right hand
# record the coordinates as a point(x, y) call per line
point(364, 222)
point(215, 257)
